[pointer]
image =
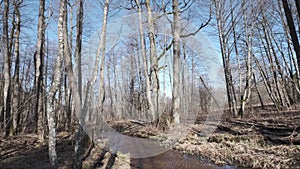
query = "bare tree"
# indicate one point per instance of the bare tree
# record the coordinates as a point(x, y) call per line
point(55, 86)
point(223, 40)
point(145, 67)
point(39, 67)
point(248, 40)
point(154, 80)
point(80, 135)
point(78, 48)
point(291, 25)
point(7, 74)
point(102, 51)
point(16, 96)
point(176, 64)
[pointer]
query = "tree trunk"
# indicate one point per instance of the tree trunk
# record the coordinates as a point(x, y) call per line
point(143, 47)
point(54, 87)
point(7, 74)
point(81, 136)
point(291, 25)
point(39, 66)
point(223, 38)
point(102, 49)
point(79, 29)
point(176, 64)
point(17, 85)
point(154, 81)
point(258, 93)
point(247, 89)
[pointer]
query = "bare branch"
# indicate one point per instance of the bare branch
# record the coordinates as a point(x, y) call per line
point(201, 27)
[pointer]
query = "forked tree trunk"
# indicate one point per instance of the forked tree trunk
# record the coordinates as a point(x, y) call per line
point(39, 67)
point(148, 85)
point(78, 58)
point(223, 38)
point(54, 87)
point(247, 89)
point(80, 135)
point(154, 81)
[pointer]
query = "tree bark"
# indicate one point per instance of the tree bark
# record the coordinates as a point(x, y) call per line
point(39, 66)
point(102, 49)
point(247, 89)
point(54, 87)
point(223, 38)
point(154, 80)
point(7, 70)
point(80, 135)
point(176, 64)
point(78, 49)
point(143, 47)
point(291, 25)
point(17, 85)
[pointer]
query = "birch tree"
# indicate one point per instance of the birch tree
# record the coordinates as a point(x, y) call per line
point(248, 40)
point(80, 135)
point(54, 87)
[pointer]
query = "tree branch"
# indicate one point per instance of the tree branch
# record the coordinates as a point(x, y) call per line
point(166, 49)
point(194, 33)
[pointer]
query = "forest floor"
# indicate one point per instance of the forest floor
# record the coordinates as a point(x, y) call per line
point(263, 139)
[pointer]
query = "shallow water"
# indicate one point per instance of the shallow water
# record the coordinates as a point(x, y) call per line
point(173, 160)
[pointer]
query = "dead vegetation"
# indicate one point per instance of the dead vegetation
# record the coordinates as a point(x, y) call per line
point(24, 151)
point(267, 139)
point(270, 140)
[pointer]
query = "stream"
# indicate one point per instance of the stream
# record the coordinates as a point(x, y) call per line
point(173, 160)
point(169, 159)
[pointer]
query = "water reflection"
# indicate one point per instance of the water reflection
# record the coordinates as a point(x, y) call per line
point(171, 160)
